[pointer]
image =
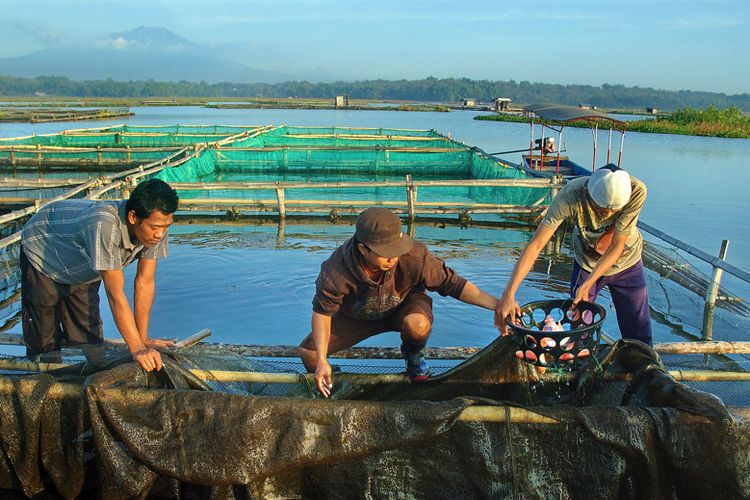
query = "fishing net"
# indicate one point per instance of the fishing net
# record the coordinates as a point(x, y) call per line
point(334, 155)
point(487, 428)
point(271, 154)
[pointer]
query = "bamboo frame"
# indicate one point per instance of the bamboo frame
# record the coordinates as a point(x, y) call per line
point(366, 137)
point(318, 206)
point(224, 186)
point(352, 148)
point(11, 183)
point(32, 148)
point(30, 210)
point(388, 378)
point(716, 262)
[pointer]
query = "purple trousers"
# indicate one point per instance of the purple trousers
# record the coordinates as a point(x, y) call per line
point(629, 296)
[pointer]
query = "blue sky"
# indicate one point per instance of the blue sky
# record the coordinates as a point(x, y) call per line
point(695, 45)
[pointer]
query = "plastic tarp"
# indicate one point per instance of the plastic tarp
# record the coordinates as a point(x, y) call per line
point(121, 433)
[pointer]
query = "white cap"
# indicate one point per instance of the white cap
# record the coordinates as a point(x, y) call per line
point(610, 188)
point(550, 139)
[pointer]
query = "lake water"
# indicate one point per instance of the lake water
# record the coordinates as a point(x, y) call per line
point(250, 284)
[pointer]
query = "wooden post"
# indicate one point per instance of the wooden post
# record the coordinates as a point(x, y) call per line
point(411, 197)
point(39, 154)
point(13, 157)
point(711, 293)
point(555, 179)
point(128, 148)
point(99, 155)
point(281, 233)
point(280, 198)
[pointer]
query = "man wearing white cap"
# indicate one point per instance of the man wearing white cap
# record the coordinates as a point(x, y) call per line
point(607, 248)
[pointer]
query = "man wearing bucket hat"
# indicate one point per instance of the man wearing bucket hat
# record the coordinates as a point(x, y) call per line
point(607, 248)
point(376, 282)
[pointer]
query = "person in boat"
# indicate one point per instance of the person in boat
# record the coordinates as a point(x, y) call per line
point(69, 247)
point(548, 145)
point(376, 282)
point(607, 248)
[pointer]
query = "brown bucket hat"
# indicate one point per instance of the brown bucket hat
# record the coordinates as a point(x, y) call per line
point(380, 230)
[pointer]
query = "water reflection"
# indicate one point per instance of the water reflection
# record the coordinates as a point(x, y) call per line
point(254, 283)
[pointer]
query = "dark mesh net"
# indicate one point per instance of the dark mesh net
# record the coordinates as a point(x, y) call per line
point(487, 428)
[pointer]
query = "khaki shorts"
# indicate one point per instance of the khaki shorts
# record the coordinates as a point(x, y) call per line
point(346, 331)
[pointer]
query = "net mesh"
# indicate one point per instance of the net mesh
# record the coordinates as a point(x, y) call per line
point(487, 427)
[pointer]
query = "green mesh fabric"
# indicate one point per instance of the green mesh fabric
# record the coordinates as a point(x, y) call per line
point(314, 154)
point(285, 154)
point(125, 135)
point(195, 169)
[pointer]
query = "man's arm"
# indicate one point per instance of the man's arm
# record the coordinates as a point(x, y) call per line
point(507, 308)
point(605, 262)
point(321, 336)
point(472, 294)
point(143, 295)
point(114, 285)
point(144, 289)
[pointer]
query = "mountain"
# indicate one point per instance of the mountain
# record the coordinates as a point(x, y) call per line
point(143, 53)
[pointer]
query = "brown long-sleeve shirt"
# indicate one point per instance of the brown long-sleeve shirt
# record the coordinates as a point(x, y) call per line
point(342, 285)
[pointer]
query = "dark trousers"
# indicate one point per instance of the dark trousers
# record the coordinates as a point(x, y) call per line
point(54, 312)
point(629, 296)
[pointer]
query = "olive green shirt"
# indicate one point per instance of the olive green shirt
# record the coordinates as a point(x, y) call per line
point(572, 202)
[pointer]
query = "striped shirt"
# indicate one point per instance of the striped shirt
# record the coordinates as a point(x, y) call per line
point(71, 241)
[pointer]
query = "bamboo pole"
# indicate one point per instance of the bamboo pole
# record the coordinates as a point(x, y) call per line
point(9, 240)
point(714, 347)
point(65, 164)
point(712, 293)
point(411, 197)
point(280, 202)
point(157, 165)
point(224, 186)
point(98, 192)
point(505, 414)
point(388, 378)
point(24, 148)
point(352, 148)
point(10, 183)
point(316, 206)
point(30, 210)
point(714, 261)
point(364, 137)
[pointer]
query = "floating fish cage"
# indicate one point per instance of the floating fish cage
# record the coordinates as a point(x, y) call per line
point(282, 170)
point(625, 421)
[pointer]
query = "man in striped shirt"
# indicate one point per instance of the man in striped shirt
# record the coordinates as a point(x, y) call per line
point(69, 247)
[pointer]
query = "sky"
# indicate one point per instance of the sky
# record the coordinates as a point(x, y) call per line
point(690, 44)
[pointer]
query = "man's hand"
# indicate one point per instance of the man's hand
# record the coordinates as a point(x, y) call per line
point(148, 358)
point(506, 309)
point(582, 293)
point(323, 378)
point(159, 343)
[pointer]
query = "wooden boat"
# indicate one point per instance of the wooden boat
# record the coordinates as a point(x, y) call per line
point(539, 162)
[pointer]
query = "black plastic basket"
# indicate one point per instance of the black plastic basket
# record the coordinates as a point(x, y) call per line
point(569, 348)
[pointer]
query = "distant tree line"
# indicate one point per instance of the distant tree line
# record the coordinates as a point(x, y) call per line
point(427, 89)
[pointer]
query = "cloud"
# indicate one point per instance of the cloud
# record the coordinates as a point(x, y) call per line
point(42, 36)
point(118, 43)
point(707, 22)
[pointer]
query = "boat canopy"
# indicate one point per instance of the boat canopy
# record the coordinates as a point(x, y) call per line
point(565, 114)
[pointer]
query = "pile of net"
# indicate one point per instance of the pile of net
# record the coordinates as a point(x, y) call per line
point(488, 428)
